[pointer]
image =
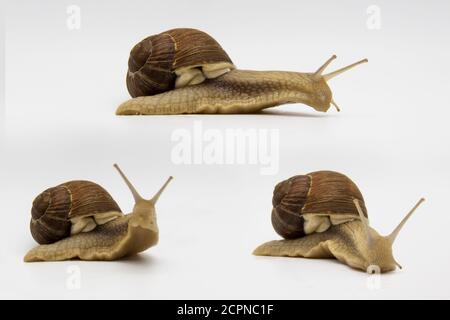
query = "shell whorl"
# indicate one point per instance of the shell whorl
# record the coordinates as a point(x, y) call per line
point(54, 208)
point(154, 60)
point(49, 215)
point(325, 194)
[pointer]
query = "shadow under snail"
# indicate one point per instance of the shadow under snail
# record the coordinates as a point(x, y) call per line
point(322, 215)
point(186, 71)
point(80, 220)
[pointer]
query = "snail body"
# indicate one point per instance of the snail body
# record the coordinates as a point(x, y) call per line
point(224, 90)
point(322, 215)
point(114, 237)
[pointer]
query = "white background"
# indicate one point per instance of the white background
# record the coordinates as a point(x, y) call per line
point(392, 138)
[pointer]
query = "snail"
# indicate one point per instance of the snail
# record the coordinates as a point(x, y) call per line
point(322, 215)
point(185, 71)
point(80, 220)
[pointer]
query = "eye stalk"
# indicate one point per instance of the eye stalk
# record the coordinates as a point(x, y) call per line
point(137, 197)
point(333, 74)
point(322, 68)
point(365, 222)
point(397, 230)
point(158, 194)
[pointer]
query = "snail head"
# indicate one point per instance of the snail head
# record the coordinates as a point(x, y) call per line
point(144, 214)
point(322, 99)
point(376, 249)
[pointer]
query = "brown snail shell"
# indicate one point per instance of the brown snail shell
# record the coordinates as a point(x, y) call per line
point(311, 203)
point(70, 208)
point(174, 58)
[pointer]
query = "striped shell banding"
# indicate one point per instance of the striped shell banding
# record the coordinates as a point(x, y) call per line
point(71, 208)
point(310, 203)
point(173, 59)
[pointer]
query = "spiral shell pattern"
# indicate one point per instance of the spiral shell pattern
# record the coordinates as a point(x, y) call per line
point(324, 194)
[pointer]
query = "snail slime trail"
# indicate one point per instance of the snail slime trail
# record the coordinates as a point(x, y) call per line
point(256, 147)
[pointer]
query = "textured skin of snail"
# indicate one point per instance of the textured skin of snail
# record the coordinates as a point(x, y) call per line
point(238, 91)
point(121, 237)
point(345, 242)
